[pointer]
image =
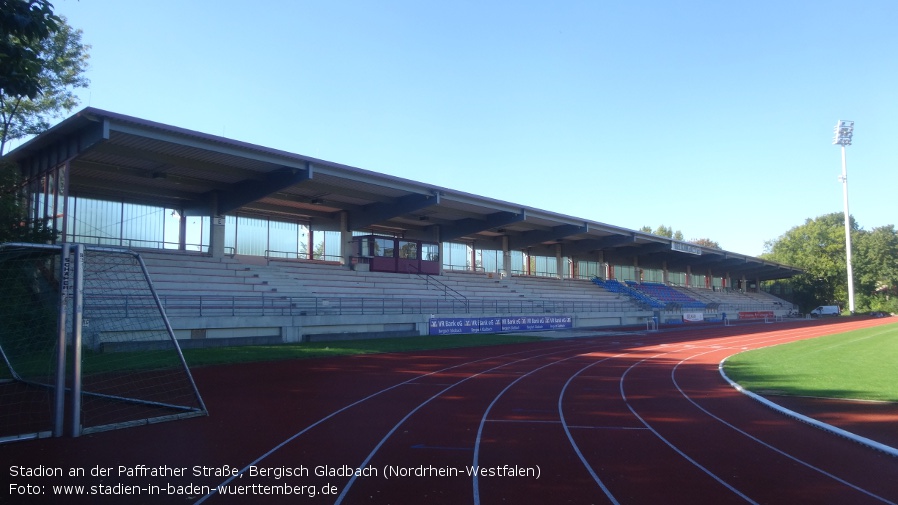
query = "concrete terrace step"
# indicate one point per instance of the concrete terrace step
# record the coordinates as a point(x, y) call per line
point(177, 274)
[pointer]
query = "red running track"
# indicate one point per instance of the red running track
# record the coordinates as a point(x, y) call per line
point(636, 418)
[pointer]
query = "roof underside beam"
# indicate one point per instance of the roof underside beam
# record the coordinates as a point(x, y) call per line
point(293, 213)
point(101, 188)
point(248, 191)
point(251, 190)
point(747, 267)
point(579, 247)
point(696, 261)
point(380, 212)
point(531, 238)
point(609, 242)
point(168, 163)
point(649, 249)
point(469, 226)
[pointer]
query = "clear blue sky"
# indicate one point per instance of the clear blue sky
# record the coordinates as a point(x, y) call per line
point(712, 117)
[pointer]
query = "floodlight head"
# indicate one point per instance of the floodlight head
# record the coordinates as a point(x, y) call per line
point(844, 131)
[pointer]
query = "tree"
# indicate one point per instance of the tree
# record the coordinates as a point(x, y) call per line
point(876, 268)
point(705, 242)
point(818, 248)
point(663, 231)
point(14, 225)
point(63, 60)
point(24, 24)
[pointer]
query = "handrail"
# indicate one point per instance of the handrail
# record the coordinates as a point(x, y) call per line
point(302, 256)
point(100, 306)
point(134, 243)
point(446, 289)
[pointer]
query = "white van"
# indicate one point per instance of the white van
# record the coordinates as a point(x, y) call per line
point(826, 310)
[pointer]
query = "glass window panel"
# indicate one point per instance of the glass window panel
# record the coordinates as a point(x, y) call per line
point(551, 266)
point(303, 242)
point(61, 191)
point(283, 239)
point(98, 222)
point(230, 240)
point(198, 228)
point(589, 269)
point(543, 266)
point(430, 252)
point(333, 247)
point(625, 273)
point(171, 229)
point(653, 275)
point(51, 192)
point(408, 250)
point(142, 225)
point(39, 212)
point(383, 247)
point(252, 236)
point(326, 245)
point(488, 260)
point(362, 245)
point(457, 256)
point(71, 208)
point(517, 262)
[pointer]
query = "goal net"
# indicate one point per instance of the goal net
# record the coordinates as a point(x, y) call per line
point(85, 345)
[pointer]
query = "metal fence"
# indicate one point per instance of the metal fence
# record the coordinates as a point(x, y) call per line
point(274, 305)
point(279, 305)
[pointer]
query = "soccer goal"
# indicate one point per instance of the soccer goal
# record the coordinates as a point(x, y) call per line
point(85, 344)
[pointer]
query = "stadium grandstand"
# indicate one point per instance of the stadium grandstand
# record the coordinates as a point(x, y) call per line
point(246, 244)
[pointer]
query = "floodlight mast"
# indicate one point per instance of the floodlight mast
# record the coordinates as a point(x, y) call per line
point(844, 132)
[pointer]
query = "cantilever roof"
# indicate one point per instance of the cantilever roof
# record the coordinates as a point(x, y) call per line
point(123, 157)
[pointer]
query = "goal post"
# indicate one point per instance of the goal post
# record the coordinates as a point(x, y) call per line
point(86, 345)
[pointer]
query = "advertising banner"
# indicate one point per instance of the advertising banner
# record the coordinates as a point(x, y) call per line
point(693, 317)
point(468, 325)
point(759, 314)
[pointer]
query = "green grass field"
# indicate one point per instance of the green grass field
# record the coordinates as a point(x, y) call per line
point(212, 356)
point(855, 365)
point(94, 362)
point(859, 365)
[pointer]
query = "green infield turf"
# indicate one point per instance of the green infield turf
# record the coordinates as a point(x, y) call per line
point(857, 365)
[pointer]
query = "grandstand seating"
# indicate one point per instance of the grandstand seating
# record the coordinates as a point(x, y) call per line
point(661, 296)
point(184, 275)
point(242, 291)
point(667, 295)
point(733, 298)
point(615, 286)
point(557, 288)
point(197, 275)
